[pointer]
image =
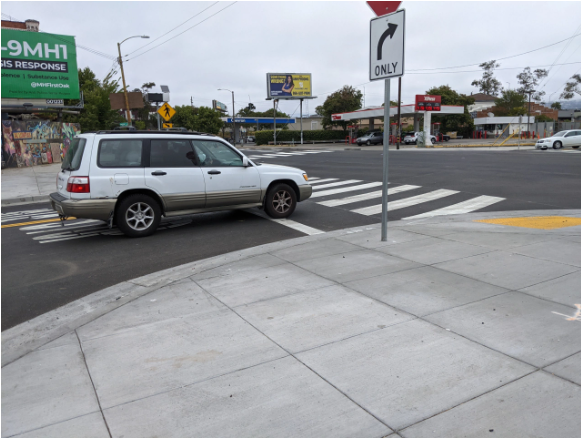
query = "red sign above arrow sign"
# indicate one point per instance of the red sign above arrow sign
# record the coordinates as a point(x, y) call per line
point(382, 8)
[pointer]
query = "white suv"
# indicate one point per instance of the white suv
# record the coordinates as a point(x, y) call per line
point(133, 178)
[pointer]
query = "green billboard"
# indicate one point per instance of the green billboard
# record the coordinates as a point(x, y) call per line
point(37, 65)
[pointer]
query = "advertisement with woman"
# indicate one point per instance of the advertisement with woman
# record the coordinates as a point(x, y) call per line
point(288, 85)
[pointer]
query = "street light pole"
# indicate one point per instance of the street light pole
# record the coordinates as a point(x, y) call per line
point(529, 114)
point(233, 114)
point(128, 111)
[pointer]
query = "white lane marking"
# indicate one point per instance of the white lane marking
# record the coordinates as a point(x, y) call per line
point(290, 153)
point(313, 178)
point(406, 202)
point(288, 223)
point(463, 207)
point(346, 189)
point(367, 196)
point(25, 212)
point(41, 228)
point(313, 151)
point(324, 180)
point(338, 183)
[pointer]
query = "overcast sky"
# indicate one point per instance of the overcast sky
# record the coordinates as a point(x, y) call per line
point(237, 47)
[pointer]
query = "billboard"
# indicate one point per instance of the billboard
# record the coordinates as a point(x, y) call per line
point(37, 65)
point(217, 105)
point(288, 85)
point(117, 100)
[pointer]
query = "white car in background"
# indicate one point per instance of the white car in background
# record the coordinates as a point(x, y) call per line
point(558, 140)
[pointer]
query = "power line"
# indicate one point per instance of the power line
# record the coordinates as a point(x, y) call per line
point(498, 59)
point(472, 71)
point(175, 36)
point(153, 41)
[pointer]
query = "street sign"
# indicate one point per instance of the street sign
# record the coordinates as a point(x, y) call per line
point(166, 111)
point(383, 8)
point(386, 46)
point(124, 124)
point(168, 125)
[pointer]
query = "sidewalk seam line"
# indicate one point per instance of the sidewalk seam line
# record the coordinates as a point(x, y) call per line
point(301, 362)
point(92, 383)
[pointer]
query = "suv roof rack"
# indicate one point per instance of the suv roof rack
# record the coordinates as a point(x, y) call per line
point(166, 131)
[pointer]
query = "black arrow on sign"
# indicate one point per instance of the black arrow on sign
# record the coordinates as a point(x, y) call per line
point(388, 33)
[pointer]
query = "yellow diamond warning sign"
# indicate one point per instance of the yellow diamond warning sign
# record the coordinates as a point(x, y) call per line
point(166, 111)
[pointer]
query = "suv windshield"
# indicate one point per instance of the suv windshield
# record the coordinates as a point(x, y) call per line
point(74, 155)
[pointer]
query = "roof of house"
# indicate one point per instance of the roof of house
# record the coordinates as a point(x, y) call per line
point(482, 97)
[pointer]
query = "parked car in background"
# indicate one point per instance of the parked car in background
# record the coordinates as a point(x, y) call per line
point(250, 139)
point(558, 140)
point(133, 178)
point(412, 139)
point(373, 138)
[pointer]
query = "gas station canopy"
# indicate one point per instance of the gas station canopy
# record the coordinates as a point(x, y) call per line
point(406, 110)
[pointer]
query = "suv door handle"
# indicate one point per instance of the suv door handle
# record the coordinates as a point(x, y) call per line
point(214, 172)
point(158, 173)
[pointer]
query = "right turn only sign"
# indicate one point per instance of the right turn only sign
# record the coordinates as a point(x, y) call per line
point(387, 41)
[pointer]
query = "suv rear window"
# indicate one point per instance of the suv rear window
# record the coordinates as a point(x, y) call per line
point(120, 153)
point(74, 156)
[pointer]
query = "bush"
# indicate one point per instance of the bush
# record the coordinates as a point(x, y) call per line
point(287, 136)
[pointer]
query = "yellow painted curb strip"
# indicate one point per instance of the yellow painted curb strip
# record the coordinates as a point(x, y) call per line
point(36, 222)
point(536, 222)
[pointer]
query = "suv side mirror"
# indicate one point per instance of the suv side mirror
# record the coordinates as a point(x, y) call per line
point(245, 162)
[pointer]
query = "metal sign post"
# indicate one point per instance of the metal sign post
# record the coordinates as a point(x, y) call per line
point(385, 162)
point(386, 61)
point(301, 121)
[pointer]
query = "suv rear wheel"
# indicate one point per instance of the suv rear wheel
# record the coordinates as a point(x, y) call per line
point(281, 201)
point(138, 215)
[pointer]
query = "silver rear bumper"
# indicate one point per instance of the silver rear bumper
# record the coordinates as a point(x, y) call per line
point(92, 209)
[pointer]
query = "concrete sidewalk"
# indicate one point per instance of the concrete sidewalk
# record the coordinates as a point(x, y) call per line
point(452, 328)
point(29, 184)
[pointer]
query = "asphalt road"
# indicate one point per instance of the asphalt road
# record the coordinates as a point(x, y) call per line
point(45, 265)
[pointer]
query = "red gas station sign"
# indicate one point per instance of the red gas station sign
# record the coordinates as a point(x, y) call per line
point(428, 103)
point(382, 8)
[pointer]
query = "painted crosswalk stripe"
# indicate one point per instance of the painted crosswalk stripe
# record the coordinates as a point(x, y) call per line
point(346, 189)
point(290, 153)
point(337, 183)
point(324, 180)
point(288, 223)
point(313, 178)
point(367, 196)
point(406, 202)
point(463, 207)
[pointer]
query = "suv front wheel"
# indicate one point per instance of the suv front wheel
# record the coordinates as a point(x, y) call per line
point(138, 215)
point(281, 201)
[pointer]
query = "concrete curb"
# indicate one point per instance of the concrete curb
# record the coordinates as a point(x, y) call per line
point(25, 200)
point(33, 334)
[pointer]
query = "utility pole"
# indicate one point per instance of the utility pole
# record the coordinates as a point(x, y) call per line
point(398, 111)
point(123, 75)
point(128, 112)
point(192, 101)
point(233, 119)
point(529, 114)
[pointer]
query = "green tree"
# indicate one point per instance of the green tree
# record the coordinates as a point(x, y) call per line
point(528, 80)
point(556, 105)
point(97, 113)
point(572, 87)
point(543, 118)
point(346, 99)
point(462, 123)
point(510, 103)
point(202, 119)
point(488, 84)
point(207, 120)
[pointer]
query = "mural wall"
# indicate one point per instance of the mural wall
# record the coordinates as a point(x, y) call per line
point(36, 142)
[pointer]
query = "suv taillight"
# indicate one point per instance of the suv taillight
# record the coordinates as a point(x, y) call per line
point(78, 185)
